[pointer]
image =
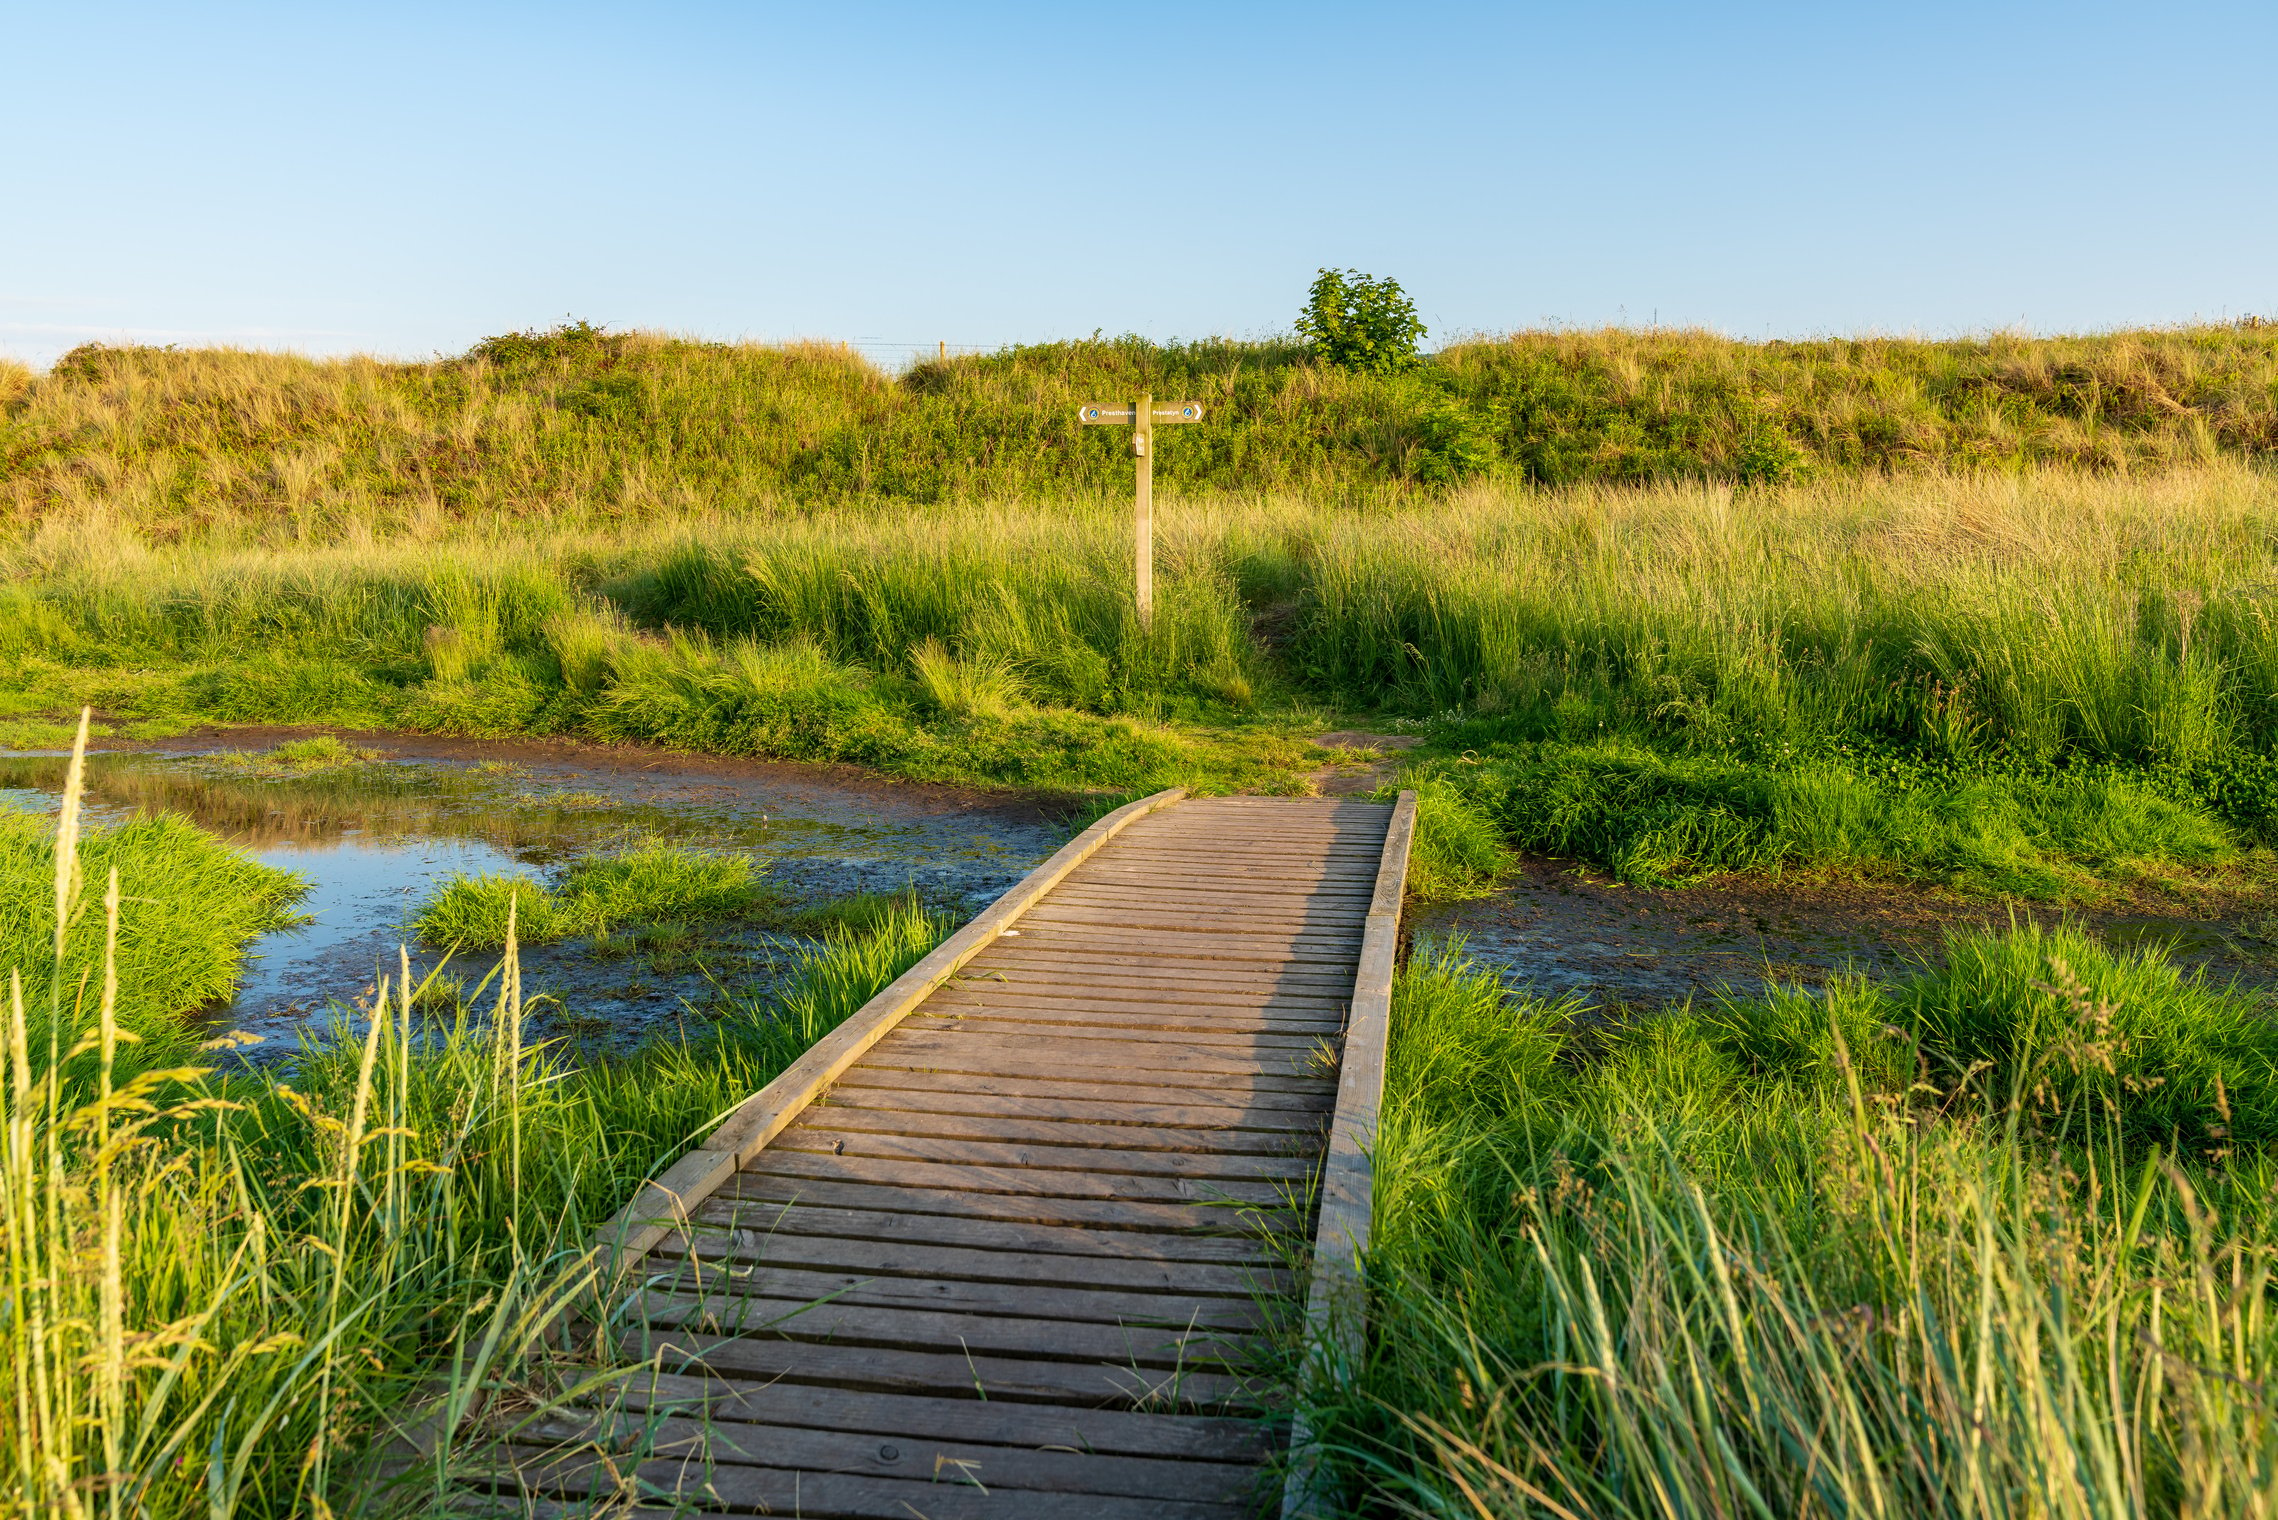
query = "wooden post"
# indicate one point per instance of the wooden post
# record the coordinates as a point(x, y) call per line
point(1141, 416)
point(1143, 526)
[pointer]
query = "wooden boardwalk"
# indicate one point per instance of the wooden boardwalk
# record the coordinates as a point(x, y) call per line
point(1007, 1244)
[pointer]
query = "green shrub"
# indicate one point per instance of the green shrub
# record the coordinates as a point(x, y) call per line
point(1658, 819)
point(1444, 441)
point(1357, 322)
point(285, 689)
point(973, 687)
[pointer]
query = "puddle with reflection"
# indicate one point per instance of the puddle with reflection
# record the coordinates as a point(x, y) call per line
point(373, 838)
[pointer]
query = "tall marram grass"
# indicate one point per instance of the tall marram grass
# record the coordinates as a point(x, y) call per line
point(2126, 620)
point(1797, 1256)
point(2018, 682)
point(221, 1289)
point(593, 427)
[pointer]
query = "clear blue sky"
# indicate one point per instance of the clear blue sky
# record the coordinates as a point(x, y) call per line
point(407, 178)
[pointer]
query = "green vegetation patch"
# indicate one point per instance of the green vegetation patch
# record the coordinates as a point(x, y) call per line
point(189, 907)
point(419, 1195)
point(1657, 819)
point(1620, 1260)
point(320, 752)
point(652, 882)
point(617, 427)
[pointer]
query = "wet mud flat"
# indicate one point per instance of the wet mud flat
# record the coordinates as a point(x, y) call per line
point(1558, 929)
point(373, 838)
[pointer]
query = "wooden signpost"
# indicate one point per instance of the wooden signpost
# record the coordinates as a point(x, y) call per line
point(1141, 417)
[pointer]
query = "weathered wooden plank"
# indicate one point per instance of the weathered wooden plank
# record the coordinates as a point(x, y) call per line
point(929, 1046)
point(1080, 1102)
point(1252, 923)
point(1354, 839)
point(1275, 908)
point(1045, 1243)
point(1011, 1023)
point(1144, 1013)
point(1305, 1102)
point(719, 1283)
point(1227, 865)
point(1038, 1182)
point(1133, 1344)
point(1329, 878)
point(1139, 996)
point(838, 1496)
point(954, 1373)
point(1200, 827)
point(903, 1258)
point(998, 1466)
point(1091, 1061)
point(1268, 943)
point(1335, 943)
point(1289, 866)
point(1164, 1029)
point(1296, 860)
point(827, 1120)
point(1206, 1215)
point(1168, 872)
point(1033, 1155)
point(1076, 965)
point(1204, 915)
point(978, 1055)
point(1257, 951)
point(1110, 973)
point(1209, 1438)
point(1288, 812)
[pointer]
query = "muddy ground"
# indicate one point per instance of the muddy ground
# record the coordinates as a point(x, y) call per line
point(1563, 928)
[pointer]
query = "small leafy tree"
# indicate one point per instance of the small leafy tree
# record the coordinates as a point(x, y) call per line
point(1359, 322)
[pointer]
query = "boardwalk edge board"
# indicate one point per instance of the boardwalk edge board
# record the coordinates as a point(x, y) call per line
point(1336, 1305)
point(662, 1204)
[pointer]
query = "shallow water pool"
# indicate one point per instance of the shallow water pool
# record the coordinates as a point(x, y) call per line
point(373, 838)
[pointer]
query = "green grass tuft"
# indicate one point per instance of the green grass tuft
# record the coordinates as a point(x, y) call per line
point(192, 905)
point(652, 882)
